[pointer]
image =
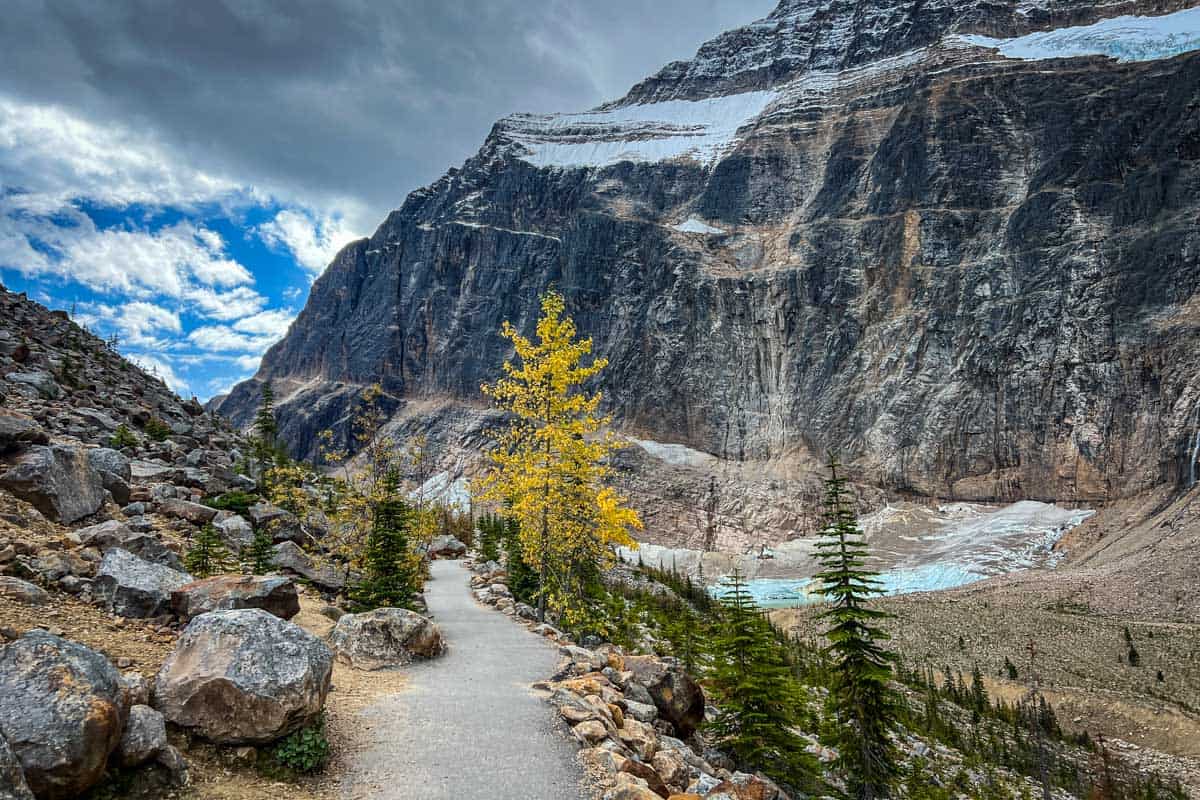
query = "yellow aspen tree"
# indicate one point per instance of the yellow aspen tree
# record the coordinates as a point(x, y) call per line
point(550, 467)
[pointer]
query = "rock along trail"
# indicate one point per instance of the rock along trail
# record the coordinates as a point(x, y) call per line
point(468, 725)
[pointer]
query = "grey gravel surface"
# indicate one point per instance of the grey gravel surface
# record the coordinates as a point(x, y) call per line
point(467, 725)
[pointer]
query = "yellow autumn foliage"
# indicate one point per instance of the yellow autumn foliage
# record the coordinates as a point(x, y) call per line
point(550, 467)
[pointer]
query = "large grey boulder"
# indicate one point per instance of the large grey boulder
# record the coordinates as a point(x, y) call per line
point(114, 533)
point(12, 777)
point(114, 470)
point(62, 709)
point(235, 532)
point(144, 737)
point(272, 593)
point(676, 695)
point(385, 637)
point(21, 591)
point(40, 381)
point(133, 587)
point(58, 481)
point(290, 558)
point(280, 523)
point(18, 430)
point(447, 546)
point(194, 513)
point(244, 677)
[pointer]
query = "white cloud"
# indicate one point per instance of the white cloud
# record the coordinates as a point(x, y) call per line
point(54, 156)
point(250, 363)
point(267, 323)
point(224, 339)
point(234, 304)
point(140, 324)
point(156, 366)
point(176, 261)
point(312, 242)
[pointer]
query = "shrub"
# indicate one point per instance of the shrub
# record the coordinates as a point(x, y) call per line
point(123, 438)
point(236, 501)
point(306, 750)
point(157, 430)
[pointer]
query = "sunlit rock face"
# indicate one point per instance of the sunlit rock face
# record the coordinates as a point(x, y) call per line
point(955, 242)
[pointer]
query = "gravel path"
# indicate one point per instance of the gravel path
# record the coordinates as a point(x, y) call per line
point(467, 725)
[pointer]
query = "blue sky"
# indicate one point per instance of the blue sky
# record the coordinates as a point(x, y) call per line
point(177, 173)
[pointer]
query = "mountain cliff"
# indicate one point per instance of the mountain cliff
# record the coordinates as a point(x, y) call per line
point(956, 242)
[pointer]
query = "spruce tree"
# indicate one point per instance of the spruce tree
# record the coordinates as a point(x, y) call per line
point(758, 697)
point(259, 556)
point(265, 430)
point(522, 578)
point(207, 556)
point(491, 534)
point(866, 708)
point(392, 572)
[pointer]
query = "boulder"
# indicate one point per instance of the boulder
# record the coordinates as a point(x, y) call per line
point(115, 533)
point(194, 513)
point(58, 481)
point(630, 791)
point(244, 677)
point(144, 737)
point(648, 774)
point(138, 687)
point(18, 430)
point(63, 711)
point(114, 470)
point(672, 768)
point(676, 695)
point(640, 738)
point(290, 558)
point(132, 587)
point(21, 591)
point(12, 778)
point(283, 525)
point(235, 532)
point(447, 546)
point(40, 381)
point(385, 637)
point(274, 594)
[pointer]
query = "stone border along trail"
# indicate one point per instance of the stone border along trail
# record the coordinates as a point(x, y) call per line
point(467, 726)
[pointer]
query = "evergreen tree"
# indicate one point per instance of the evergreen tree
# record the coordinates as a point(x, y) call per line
point(979, 698)
point(265, 430)
point(865, 706)
point(491, 536)
point(391, 571)
point(758, 697)
point(207, 555)
point(522, 578)
point(259, 556)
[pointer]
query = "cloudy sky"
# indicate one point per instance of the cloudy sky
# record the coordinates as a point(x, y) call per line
point(177, 173)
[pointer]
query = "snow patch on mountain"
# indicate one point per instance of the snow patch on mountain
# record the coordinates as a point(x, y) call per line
point(693, 225)
point(678, 455)
point(699, 130)
point(1127, 38)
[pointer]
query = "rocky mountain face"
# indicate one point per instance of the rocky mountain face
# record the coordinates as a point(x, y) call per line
point(955, 242)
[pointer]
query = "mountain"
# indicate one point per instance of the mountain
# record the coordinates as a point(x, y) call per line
point(954, 241)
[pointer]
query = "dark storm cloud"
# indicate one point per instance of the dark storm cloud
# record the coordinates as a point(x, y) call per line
point(346, 98)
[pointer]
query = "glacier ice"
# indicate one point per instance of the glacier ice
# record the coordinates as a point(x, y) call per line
point(1126, 38)
point(700, 130)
